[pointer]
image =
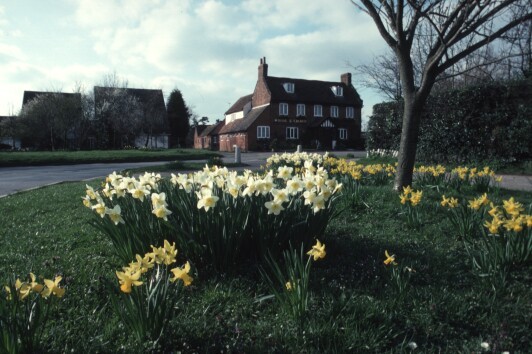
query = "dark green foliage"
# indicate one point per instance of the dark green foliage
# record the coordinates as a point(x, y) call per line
point(481, 123)
point(178, 118)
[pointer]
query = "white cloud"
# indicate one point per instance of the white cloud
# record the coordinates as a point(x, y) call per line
point(209, 49)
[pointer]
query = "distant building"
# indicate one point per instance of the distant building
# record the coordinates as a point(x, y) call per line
point(284, 112)
point(208, 138)
point(130, 117)
point(7, 140)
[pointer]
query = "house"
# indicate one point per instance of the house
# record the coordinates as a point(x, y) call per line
point(198, 141)
point(284, 112)
point(131, 117)
point(208, 138)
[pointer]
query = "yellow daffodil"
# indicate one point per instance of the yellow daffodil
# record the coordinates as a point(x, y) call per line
point(182, 273)
point(52, 287)
point(8, 292)
point(288, 286)
point(513, 224)
point(389, 259)
point(512, 207)
point(317, 251)
point(23, 289)
point(170, 253)
point(404, 198)
point(128, 279)
point(415, 199)
point(36, 287)
point(143, 263)
point(493, 226)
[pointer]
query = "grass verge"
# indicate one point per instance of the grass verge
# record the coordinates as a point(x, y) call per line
point(42, 158)
point(357, 305)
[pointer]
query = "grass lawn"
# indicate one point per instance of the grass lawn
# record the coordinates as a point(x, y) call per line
point(41, 158)
point(357, 304)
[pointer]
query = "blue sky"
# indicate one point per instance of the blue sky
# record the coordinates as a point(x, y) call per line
point(208, 49)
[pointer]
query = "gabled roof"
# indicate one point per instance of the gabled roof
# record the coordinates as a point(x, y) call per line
point(238, 106)
point(312, 91)
point(212, 129)
point(199, 129)
point(31, 95)
point(146, 97)
point(242, 124)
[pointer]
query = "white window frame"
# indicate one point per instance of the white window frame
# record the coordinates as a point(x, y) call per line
point(283, 109)
point(289, 87)
point(263, 132)
point(318, 110)
point(350, 112)
point(300, 110)
point(338, 90)
point(292, 133)
point(342, 132)
point(334, 111)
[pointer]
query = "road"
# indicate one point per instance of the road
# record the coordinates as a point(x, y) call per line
point(16, 179)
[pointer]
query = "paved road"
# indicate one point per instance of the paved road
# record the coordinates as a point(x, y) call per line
point(15, 179)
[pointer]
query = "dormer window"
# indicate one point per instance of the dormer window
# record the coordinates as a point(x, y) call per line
point(338, 90)
point(289, 87)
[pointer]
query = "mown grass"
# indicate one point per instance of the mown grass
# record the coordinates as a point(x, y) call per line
point(41, 158)
point(356, 307)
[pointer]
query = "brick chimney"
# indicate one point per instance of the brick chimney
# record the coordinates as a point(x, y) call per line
point(346, 79)
point(263, 68)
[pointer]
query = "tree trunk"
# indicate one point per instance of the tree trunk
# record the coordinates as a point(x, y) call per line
point(407, 149)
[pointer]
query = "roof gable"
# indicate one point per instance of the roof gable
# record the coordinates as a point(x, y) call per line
point(240, 125)
point(238, 106)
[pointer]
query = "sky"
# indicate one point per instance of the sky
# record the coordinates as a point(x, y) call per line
point(208, 49)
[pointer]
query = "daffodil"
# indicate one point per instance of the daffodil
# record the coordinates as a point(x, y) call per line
point(513, 224)
point(288, 286)
point(52, 287)
point(36, 287)
point(390, 259)
point(182, 273)
point(415, 198)
point(317, 251)
point(161, 212)
point(128, 279)
point(206, 200)
point(512, 207)
point(494, 225)
point(274, 207)
point(170, 252)
point(23, 289)
point(115, 215)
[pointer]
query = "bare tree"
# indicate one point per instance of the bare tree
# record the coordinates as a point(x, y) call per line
point(49, 120)
point(447, 31)
point(118, 112)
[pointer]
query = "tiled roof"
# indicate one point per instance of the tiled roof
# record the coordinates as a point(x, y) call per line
point(212, 129)
point(154, 98)
point(239, 104)
point(311, 91)
point(240, 125)
point(30, 95)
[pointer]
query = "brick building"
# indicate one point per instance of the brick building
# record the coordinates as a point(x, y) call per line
point(284, 112)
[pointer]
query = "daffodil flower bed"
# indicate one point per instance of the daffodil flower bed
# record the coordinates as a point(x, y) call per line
point(215, 216)
point(24, 310)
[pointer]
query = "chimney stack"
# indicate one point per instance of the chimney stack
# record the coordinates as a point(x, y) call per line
point(346, 79)
point(263, 68)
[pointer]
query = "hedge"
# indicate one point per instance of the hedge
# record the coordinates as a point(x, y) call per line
point(491, 122)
